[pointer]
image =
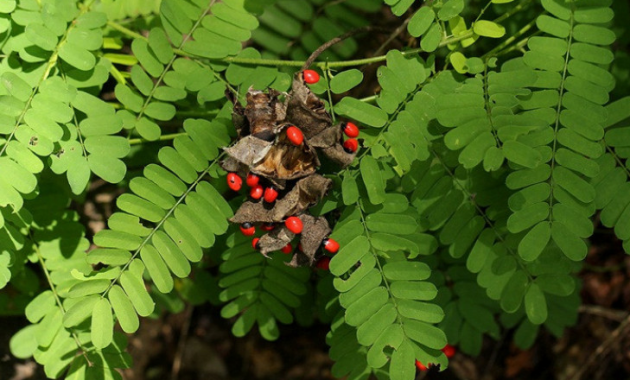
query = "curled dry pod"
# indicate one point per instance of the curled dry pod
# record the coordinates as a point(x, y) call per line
point(256, 192)
point(311, 76)
point(252, 180)
point(234, 181)
point(294, 224)
point(248, 229)
point(351, 145)
point(295, 135)
point(350, 129)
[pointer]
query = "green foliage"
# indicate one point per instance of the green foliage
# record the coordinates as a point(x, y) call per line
point(493, 139)
point(261, 290)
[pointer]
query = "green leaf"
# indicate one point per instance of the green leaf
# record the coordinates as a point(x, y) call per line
point(146, 57)
point(7, 6)
point(158, 42)
point(362, 112)
point(102, 324)
point(402, 366)
point(406, 271)
point(556, 284)
point(16, 86)
point(349, 255)
point(123, 308)
point(77, 56)
point(527, 217)
point(450, 9)
point(108, 168)
point(160, 111)
point(361, 310)
point(535, 304)
point(421, 21)
point(425, 334)
point(87, 288)
point(134, 287)
point(345, 81)
point(488, 29)
point(373, 180)
point(114, 257)
point(391, 223)
point(349, 189)
point(80, 311)
point(514, 291)
point(39, 306)
point(432, 38)
point(534, 243)
point(41, 36)
point(569, 243)
point(24, 342)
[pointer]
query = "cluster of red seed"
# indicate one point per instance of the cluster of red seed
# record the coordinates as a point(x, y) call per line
point(448, 350)
point(269, 194)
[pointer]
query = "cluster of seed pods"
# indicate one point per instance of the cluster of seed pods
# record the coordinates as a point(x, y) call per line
point(277, 160)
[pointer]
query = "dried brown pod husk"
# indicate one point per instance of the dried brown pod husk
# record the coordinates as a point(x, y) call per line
point(316, 229)
point(286, 161)
point(330, 143)
point(264, 111)
point(306, 193)
point(249, 150)
point(306, 110)
point(275, 240)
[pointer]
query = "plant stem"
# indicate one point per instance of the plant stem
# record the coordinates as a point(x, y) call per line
point(289, 63)
point(162, 138)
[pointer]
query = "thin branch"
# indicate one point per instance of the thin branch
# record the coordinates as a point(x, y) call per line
point(339, 39)
point(615, 337)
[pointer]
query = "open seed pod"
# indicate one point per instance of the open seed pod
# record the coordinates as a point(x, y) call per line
point(290, 166)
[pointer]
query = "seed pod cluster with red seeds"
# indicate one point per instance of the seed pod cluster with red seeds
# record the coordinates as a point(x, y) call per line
point(281, 138)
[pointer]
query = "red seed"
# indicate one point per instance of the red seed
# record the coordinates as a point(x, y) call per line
point(331, 245)
point(324, 263)
point(294, 224)
point(255, 243)
point(449, 351)
point(311, 76)
point(295, 135)
point(287, 249)
point(234, 181)
point(268, 226)
point(252, 180)
point(256, 192)
point(350, 129)
point(271, 194)
point(351, 145)
point(421, 366)
point(300, 247)
point(248, 229)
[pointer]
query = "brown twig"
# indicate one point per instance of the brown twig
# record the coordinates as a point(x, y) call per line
point(181, 346)
point(615, 315)
point(393, 36)
point(336, 40)
point(604, 348)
